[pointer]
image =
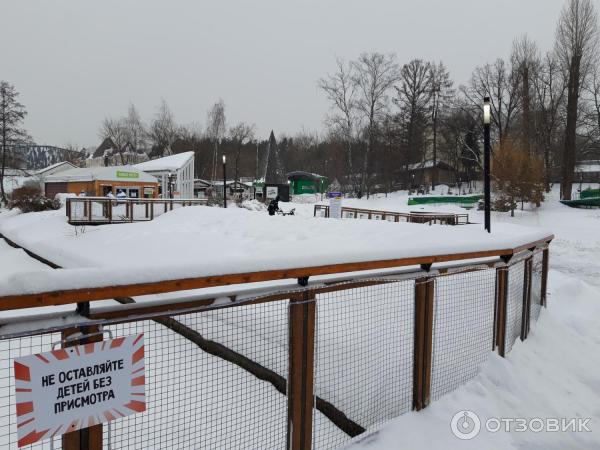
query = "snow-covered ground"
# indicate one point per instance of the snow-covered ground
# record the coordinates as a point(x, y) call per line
point(554, 374)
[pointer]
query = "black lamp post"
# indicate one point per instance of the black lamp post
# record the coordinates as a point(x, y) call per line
point(170, 181)
point(487, 118)
point(224, 182)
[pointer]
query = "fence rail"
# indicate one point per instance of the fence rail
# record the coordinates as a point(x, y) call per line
point(300, 366)
point(102, 210)
point(392, 216)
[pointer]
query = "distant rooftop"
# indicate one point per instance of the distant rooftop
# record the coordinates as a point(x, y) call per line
point(168, 163)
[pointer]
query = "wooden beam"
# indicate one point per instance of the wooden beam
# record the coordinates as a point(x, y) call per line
point(132, 290)
point(423, 342)
point(301, 371)
point(545, 265)
point(501, 297)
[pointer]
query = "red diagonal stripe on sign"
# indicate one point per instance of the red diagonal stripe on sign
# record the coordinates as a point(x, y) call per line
point(136, 405)
point(22, 390)
point(40, 357)
point(31, 438)
point(60, 354)
point(137, 355)
point(138, 381)
point(22, 372)
point(89, 348)
point(24, 408)
point(137, 339)
point(109, 416)
point(22, 424)
point(117, 342)
point(56, 431)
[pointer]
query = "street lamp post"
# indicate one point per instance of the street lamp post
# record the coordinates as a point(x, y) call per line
point(224, 183)
point(170, 181)
point(487, 118)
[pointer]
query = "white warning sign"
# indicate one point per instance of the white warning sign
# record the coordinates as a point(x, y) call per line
point(78, 387)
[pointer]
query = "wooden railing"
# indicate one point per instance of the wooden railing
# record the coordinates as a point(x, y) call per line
point(393, 216)
point(302, 298)
point(103, 210)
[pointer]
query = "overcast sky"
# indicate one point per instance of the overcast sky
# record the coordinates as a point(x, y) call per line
point(76, 62)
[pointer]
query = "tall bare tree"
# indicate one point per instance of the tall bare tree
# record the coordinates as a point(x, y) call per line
point(163, 130)
point(576, 47)
point(135, 130)
point(414, 100)
point(441, 94)
point(241, 134)
point(341, 91)
point(525, 61)
point(498, 82)
point(12, 114)
point(116, 131)
point(374, 75)
point(549, 89)
point(215, 131)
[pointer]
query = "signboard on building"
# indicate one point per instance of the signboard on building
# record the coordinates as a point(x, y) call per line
point(335, 205)
point(272, 191)
point(125, 174)
point(77, 387)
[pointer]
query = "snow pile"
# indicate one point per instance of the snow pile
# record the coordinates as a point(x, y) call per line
point(202, 241)
point(254, 205)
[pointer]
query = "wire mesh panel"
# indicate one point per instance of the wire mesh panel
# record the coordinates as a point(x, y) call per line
point(514, 303)
point(536, 285)
point(364, 356)
point(196, 400)
point(9, 350)
point(463, 325)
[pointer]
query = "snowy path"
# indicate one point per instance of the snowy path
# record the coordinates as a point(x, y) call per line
point(554, 374)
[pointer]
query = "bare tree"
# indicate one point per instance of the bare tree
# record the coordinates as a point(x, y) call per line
point(215, 130)
point(441, 94)
point(498, 82)
point(163, 131)
point(12, 114)
point(241, 134)
point(576, 47)
point(593, 106)
point(414, 100)
point(116, 131)
point(374, 75)
point(135, 130)
point(341, 91)
point(549, 89)
point(525, 61)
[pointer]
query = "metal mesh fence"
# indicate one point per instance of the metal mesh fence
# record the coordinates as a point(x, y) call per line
point(514, 303)
point(364, 355)
point(9, 350)
point(462, 328)
point(200, 401)
point(536, 285)
point(217, 378)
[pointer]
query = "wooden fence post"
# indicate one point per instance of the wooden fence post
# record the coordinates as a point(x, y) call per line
point(301, 371)
point(423, 342)
point(545, 262)
point(500, 311)
point(526, 313)
point(87, 438)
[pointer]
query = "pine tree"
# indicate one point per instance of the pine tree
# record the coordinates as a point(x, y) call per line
point(12, 114)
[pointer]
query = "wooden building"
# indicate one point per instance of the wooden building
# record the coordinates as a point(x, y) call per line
point(99, 181)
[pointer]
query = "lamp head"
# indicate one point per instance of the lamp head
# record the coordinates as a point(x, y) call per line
point(224, 160)
point(487, 111)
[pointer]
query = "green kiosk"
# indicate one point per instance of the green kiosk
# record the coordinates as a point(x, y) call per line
point(307, 183)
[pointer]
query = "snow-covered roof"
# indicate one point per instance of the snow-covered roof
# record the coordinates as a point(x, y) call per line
point(64, 164)
point(588, 166)
point(111, 173)
point(168, 163)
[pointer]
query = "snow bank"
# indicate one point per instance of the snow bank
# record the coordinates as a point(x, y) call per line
point(202, 241)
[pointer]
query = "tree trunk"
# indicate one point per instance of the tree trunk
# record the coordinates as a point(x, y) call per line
point(568, 163)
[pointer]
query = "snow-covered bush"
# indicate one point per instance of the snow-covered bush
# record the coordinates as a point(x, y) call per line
point(30, 199)
point(254, 205)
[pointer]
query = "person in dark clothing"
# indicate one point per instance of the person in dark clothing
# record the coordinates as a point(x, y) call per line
point(273, 206)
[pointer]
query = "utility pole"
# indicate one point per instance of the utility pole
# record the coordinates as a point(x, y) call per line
point(486, 163)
